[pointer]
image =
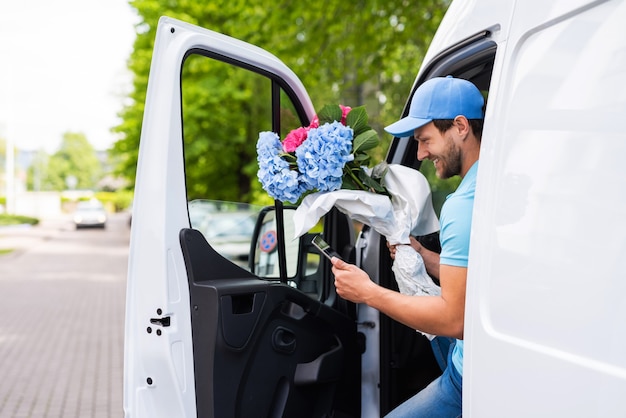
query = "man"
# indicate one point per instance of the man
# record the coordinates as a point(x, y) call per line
point(445, 118)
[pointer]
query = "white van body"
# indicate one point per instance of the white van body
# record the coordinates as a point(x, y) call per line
point(546, 285)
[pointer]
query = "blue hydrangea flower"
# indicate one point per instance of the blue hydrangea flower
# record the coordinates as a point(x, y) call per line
point(323, 155)
point(275, 175)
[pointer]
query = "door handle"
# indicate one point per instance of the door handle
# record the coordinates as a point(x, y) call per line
point(284, 340)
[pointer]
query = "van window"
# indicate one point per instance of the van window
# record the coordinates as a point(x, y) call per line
point(225, 199)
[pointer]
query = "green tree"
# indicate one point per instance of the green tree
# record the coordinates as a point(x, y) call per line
point(3, 149)
point(3, 153)
point(76, 159)
point(364, 52)
point(3, 163)
point(38, 171)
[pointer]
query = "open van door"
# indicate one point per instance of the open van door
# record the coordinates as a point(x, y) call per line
point(211, 329)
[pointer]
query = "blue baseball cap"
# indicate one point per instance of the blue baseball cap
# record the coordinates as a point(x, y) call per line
point(440, 98)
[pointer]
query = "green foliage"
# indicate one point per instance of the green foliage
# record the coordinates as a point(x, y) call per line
point(364, 52)
point(366, 141)
point(3, 152)
point(6, 220)
point(117, 201)
point(38, 171)
point(76, 158)
point(329, 113)
point(357, 118)
point(220, 150)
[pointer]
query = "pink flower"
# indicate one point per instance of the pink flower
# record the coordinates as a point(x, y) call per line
point(344, 112)
point(294, 139)
point(299, 135)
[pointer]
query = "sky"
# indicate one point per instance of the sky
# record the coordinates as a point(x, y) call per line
point(63, 69)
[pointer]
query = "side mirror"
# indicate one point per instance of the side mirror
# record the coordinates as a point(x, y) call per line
point(302, 260)
point(264, 254)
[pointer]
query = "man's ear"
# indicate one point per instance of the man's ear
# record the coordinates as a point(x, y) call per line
point(462, 126)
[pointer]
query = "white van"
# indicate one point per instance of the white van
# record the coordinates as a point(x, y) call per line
point(208, 335)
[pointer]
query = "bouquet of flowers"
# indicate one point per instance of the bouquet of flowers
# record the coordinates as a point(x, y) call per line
point(325, 165)
point(329, 154)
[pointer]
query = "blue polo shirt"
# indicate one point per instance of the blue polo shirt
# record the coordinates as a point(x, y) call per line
point(456, 223)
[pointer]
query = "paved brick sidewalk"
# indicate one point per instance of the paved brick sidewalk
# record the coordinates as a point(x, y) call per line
point(61, 332)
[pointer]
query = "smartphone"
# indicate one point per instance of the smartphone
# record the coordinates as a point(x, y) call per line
point(324, 247)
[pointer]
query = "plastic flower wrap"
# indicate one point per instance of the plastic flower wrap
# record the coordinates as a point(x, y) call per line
point(325, 166)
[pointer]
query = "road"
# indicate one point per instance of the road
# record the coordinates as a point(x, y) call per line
point(62, 300)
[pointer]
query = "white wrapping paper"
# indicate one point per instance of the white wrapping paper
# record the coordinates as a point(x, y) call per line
point(411, 276)
point(408, 212)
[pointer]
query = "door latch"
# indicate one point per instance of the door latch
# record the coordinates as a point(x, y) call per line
point(162, 322)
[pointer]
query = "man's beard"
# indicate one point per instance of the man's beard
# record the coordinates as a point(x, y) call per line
point(450, 162)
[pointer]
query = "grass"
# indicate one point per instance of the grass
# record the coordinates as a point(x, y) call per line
point(7, 220)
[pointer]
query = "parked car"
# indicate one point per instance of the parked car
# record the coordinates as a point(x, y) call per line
point(545, 293)
point(90, 214)
point(227, 227)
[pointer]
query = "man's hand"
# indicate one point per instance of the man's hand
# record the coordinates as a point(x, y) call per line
point(439, 315)
point(392, 250)
point(431, 259)
point(351, 282)
point(415, 244)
